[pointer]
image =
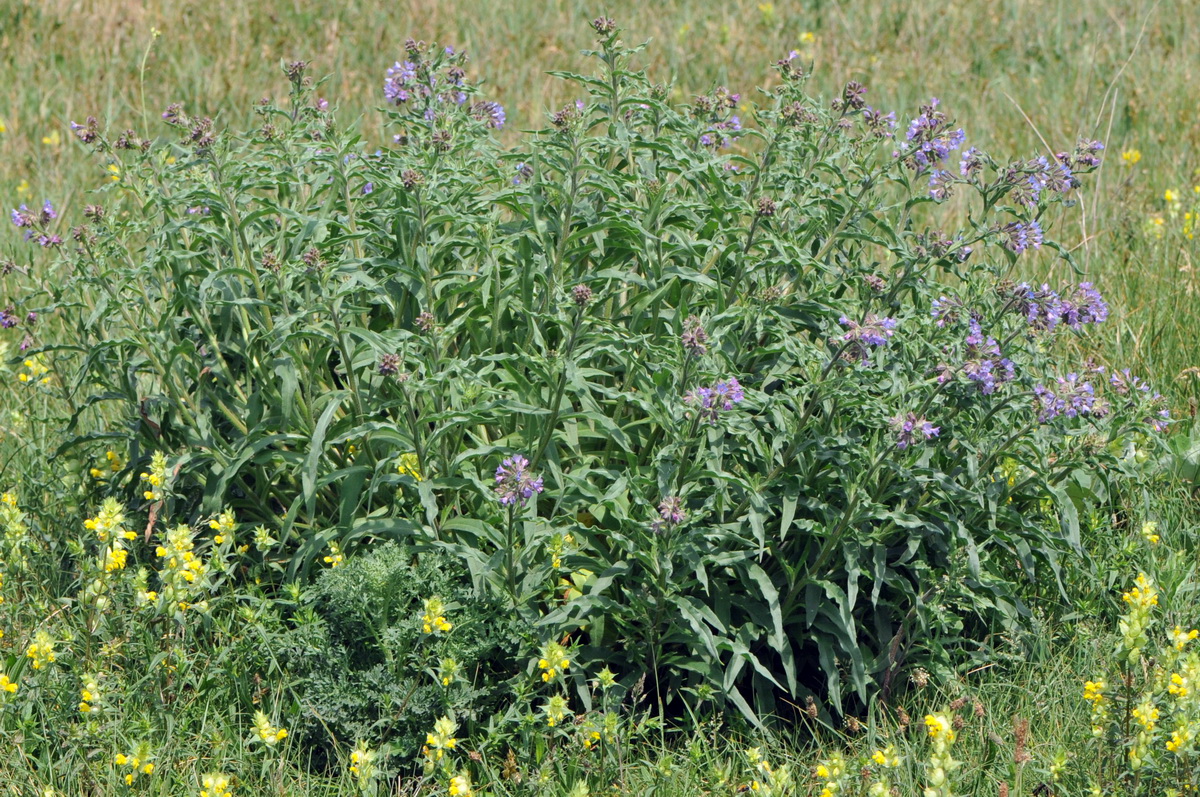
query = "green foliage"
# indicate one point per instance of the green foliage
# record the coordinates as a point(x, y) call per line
point(366, 670)
point(793, 437)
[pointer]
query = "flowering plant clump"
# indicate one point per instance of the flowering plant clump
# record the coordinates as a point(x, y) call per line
point(1144, 706)
point(756, 363)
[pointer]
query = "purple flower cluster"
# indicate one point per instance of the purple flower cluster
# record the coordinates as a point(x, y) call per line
point(873, 331)
point(940, 184)
point(717, 136)
point(970, 164)
point(8, 319)
point(490, 112)
point(984, 364)
point(1031, 178)
point(34, 223)
point(930, 141)
point(711, 401)
point(694, 338)
point(879, 124)
point(400, 77)
point(670, 514)
point(908, 427)
point(1044, 308)
point(1020, 236)
point(1070, 398)
point(514, 483)
point(946, 310)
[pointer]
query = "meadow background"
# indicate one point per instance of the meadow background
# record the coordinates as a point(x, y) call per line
point(1019, 76)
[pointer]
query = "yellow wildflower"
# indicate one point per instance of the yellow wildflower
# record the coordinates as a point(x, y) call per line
point(266, 732)
point(1150, 532)
point(23, 188)
point(1131, 156)
point(224, 524)
point(555, 660)
point(52, 140)
point(41, 650)
point(156, 477)
point(114, 172)
point(460, 786)
point(1093, 691)
point(433, 621)
point(808, 37)
point(409, 465)
point(335, 557)
point(1143, 594)
point(1146, 714)
point(439, 740)
point(7, 686)
point(215, 786)
point(555, 709)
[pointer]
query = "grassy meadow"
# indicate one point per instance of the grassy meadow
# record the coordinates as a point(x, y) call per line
point(1020, 76)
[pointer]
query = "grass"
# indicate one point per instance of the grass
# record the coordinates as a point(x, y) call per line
point(1020, 76)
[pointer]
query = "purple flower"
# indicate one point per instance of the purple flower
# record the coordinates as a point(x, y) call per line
point(940, 182)
point(1084, 306)
point(1125, 383)
point(1022, 235)
point(8, 318)
point(971, 163)
point(21, 217)
point(1069, 398)
point(524, 172)
point(929, 140)
point(48, 212)
point(908, 427)
point(399, 76)
point(694, 338)
point(368, 188)
point(873, 331)
point(514, 484)
point(945, 310)
point(670, 514)
point(490, 112)
point(322, 104)
point(711, 401)
point(880, 125)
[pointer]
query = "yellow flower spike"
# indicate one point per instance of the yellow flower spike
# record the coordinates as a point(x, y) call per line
point(6, 685)
point(808, 37)
point(1150, 532)
point(1131, 156)
point(114, 172)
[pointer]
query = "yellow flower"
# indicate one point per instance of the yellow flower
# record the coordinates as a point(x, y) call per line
point(1169, 196)
point(1093, 691)
point(52, 140)
point(409, 465)
point(1180, 638)
point(41, 650)
point(1146, 714)
point(156, 478)
point(1150, 532)
point(335, 557)
point(6, 685)
point(215, 786)
point(768, 12)
point(121, 759)
point(440, 739)
point(23, 188)
point(460, 786)
point(556, 709)
point(3, 128)
point(266, 732)
point(1131, 156)
point(1143, 594)
point(938, 726)
point(1179, 686)
point(433, 621)
point(555, 661)
point(114, 172)
point(808, 37)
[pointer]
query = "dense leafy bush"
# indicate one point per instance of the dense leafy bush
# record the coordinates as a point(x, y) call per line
point(367, 670)
point(721, 402)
